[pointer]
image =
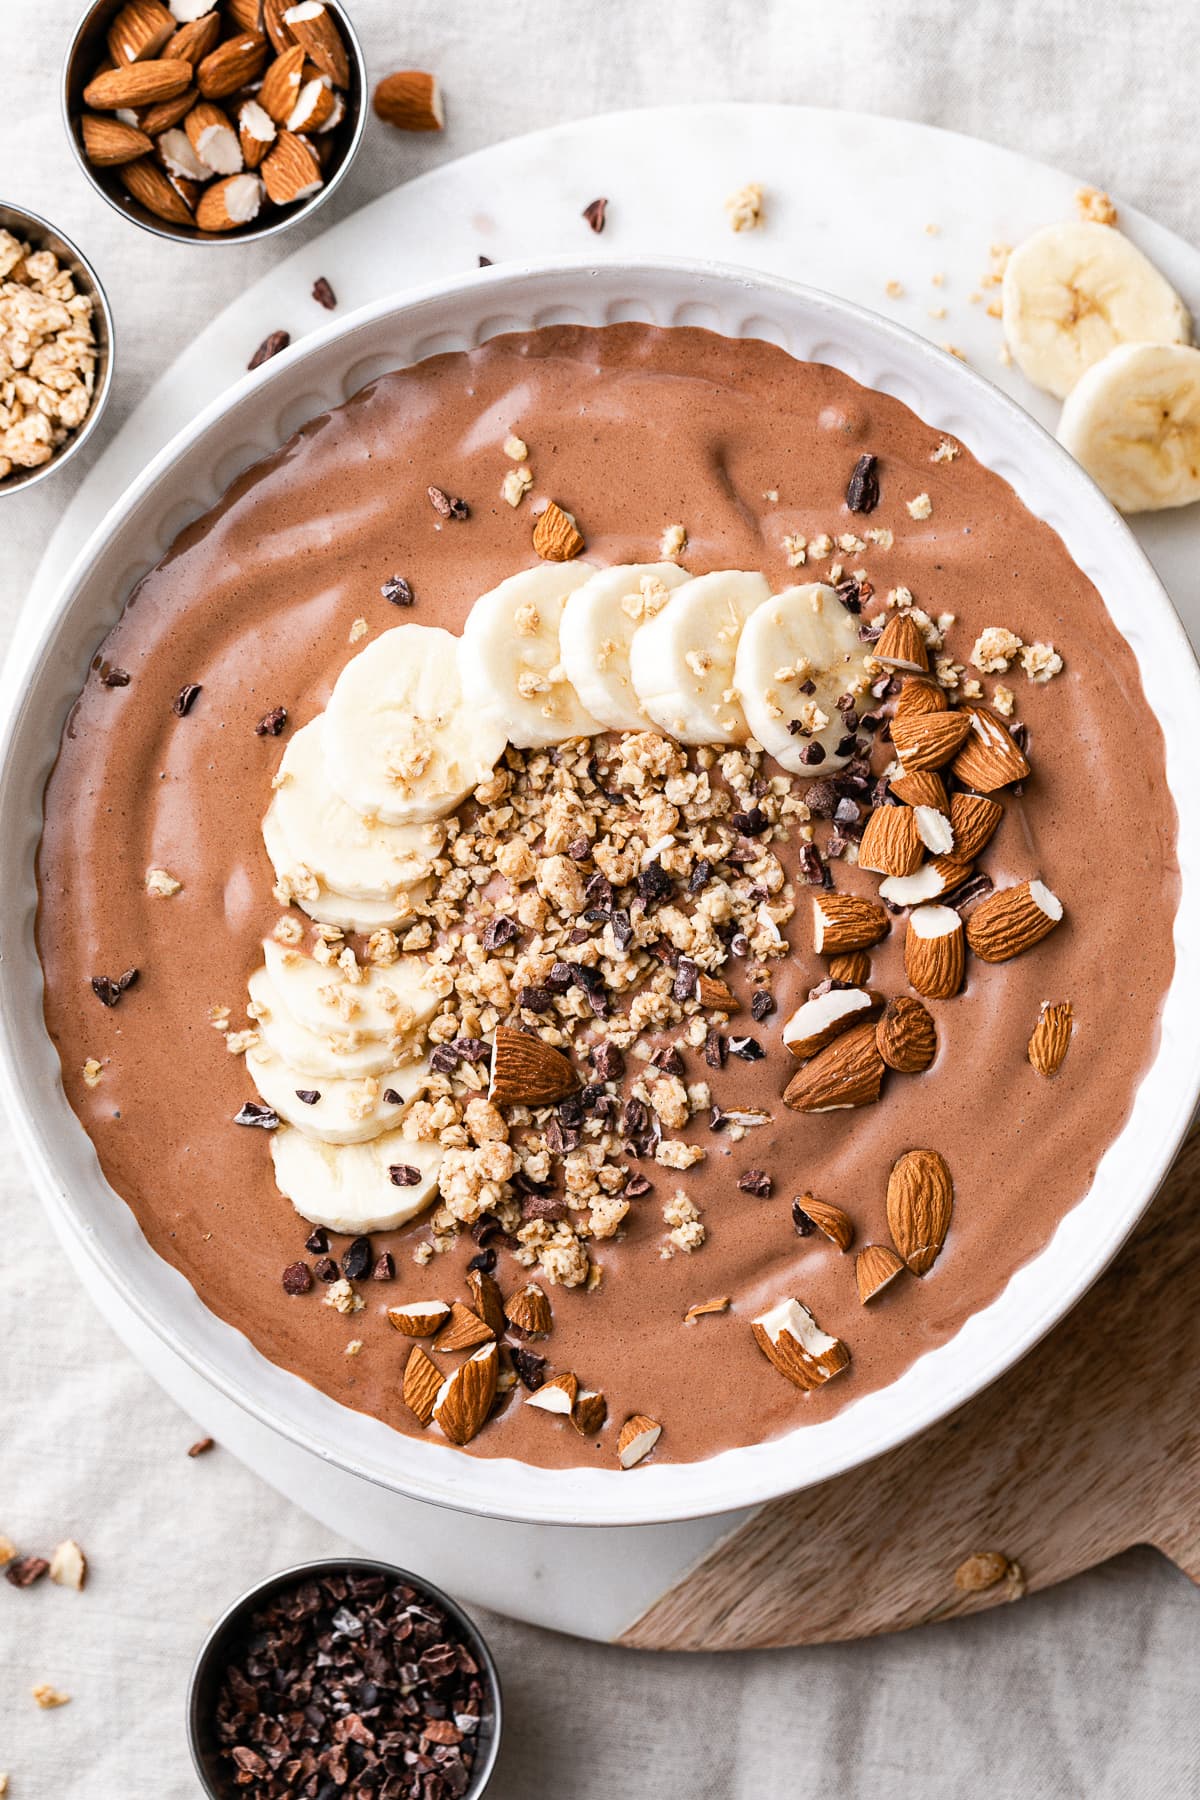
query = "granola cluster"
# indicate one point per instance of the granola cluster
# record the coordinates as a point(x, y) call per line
point(47, 355)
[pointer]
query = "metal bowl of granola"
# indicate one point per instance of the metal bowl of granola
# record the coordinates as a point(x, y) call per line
point(56, 349)
point(215, 121)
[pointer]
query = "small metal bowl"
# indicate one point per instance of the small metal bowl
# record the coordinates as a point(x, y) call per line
point(214, 1657)
point(38, 232)
point(88, 49)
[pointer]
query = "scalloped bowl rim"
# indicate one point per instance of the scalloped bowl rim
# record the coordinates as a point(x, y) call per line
point(185, 479)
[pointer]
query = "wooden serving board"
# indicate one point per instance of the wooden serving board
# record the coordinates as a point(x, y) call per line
point(1089, 1446)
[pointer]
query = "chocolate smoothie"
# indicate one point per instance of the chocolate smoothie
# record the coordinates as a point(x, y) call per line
point(714, 455)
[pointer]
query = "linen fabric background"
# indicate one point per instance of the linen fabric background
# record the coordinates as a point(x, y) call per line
point(1085, 1691)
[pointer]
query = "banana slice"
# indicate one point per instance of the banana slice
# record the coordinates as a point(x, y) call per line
point(511, 658)
point(333, 1053)
point(1134, 424)
point(401, 743)
point(681, 661)
point(348, 1187)
point(1072, 292)
point(360, 857)
point(325, 905)
point(597, 628)
point(343, 1112)
point(386, 1003)
point(798, 655)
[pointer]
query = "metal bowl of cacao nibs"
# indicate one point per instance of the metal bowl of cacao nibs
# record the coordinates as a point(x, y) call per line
point(344, 1676)
point(215, 121)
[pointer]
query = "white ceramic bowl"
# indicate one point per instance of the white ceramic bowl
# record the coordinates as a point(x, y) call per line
point(188, 477)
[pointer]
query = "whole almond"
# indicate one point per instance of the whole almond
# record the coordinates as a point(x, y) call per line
point(1013, 920)
point(410, 100)
point(928, 740)
point(140, 84)
point(166, 114)
point(1051, 1037)
point(920, 1201)
point(246, 15)
point(422, 1383)
point(194, 40)
point(107, 143)
point(891, 843)
point(919, 696)
point(906, 1035)
point(989, 758)
point(973, 819)
point(232, 65)
point(464, 1399)
point(848, 1072)
point(272, 18)
point(555, 537)
point(139, 31)
point(147, 184)
point(846, 922)
point(875, 1267)
point(528, 1072)
point(901, 645)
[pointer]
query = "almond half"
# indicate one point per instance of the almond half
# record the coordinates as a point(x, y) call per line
point(311, 24)
point(829, 1220)
point(901, 645)
point(973, 819)
point(1013, 920)
point(528, 1072)
point(906, 1036)
point(107, 143)
point(419, 1318)
point(919, 696)
point(422, 1384)
point(1051, 1037)
point(529, 1311)
point(848, 1072)
point(845, 922)
point(555, 536)
point(790, 1338)
point(410, 100)
point(891, 843)
point(281, 85)
point(930, 882)
point(463, 1330)
point(213, 139)
point(989, 758)
point(224, 205)
point(556, 1395)
point(920, 1200)
point(464, 1399)
point(875, 1267)
point(928, 740)
point(636, 1439)
point(819, 1021)
point(935, 955)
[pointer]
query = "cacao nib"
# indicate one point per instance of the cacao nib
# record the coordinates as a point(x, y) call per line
point(398, 591)
point(531, 1368)
point(357, 1261)
point(762, 1005)
point(325, 1269)
point(323, 294)
point(108, 989)
point(385, 1267)
point(608, 1061)
point(447, 506)
point(755, 1181)
point(715, 1049)
point(317, 1241)
point(264, 1117)
point(595, 213)
point(748, 1048)
point(862, 490)
point(272, 723)
point(653, 883)
point(270, 346)
point(499, 931)
point(297, 1278)
point(800, 1219)
point(752, 823)
point(404, 1175)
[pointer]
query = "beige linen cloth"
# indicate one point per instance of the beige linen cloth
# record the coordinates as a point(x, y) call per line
point(1087, 1691)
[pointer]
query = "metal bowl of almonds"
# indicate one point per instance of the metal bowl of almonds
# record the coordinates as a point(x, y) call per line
point(215, 121)
point(56, 349)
